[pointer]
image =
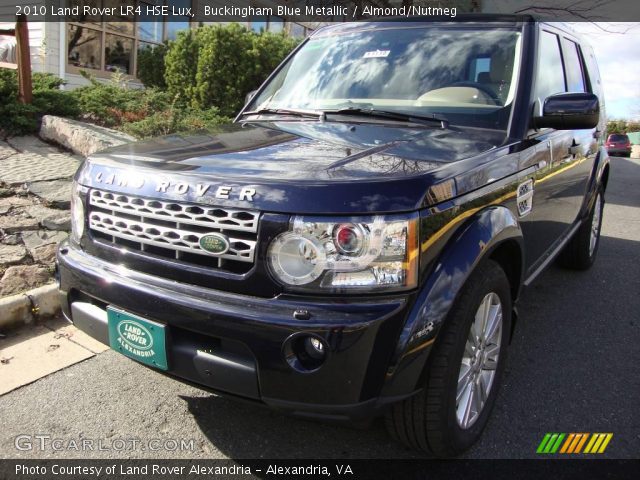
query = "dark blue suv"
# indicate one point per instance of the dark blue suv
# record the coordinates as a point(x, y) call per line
point(355, 243)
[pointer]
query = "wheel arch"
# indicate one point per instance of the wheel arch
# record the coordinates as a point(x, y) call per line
point(509, 255)
point(599, 177)
point(605, 177)
point(492, 233)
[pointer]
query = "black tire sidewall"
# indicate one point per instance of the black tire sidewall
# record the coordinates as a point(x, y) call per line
point(591, 256)
point(491, 278)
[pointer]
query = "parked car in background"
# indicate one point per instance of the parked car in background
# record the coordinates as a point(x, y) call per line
point(618, 145)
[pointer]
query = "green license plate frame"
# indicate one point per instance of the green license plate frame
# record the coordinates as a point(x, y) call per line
point(138, 338)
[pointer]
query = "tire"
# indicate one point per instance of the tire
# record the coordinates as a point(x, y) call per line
point(579, 253)
point(429, 421)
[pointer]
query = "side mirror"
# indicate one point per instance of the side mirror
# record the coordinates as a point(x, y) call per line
point(568, 111)
point(249, 96)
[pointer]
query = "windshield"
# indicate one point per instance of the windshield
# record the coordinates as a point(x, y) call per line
point(466, 74)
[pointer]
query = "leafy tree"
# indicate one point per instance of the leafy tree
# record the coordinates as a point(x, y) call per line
point(151, 65)
point(216, 66)
point(622, 126)
point(181, 61)
point(225, 67)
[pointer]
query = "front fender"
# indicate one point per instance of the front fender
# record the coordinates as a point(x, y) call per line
point(474, 241)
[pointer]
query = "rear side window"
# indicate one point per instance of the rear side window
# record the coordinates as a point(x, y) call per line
point(594, 74)
point(480, 67)
point(550, 75)
point(575, 76)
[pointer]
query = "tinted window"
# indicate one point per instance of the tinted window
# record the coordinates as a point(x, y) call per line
point(479, 66)
point(618, 138)
point(594, 74)
point(550, 77)
point(575, 78)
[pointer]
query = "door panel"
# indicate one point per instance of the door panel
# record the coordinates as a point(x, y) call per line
point(559, 163)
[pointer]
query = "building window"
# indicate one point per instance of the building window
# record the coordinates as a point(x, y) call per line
point(85, 47)
point(276, 24)
point(112, 44)
point(259, 26)
point(271, 24)
point(296, 30)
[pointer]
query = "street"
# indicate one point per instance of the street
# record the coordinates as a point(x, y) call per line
point(574, 366)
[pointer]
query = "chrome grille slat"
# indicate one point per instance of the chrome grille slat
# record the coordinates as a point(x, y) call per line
point(211, 217)
point(182, 226)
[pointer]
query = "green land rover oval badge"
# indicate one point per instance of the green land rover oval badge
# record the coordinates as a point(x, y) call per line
point(214, 243)
point(135, 335)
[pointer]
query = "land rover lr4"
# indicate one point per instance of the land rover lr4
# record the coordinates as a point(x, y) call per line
point(355, 242)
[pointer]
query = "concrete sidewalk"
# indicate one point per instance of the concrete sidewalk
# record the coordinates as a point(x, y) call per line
point(35, 352)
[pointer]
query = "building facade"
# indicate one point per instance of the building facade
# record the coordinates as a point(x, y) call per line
point(103, 45)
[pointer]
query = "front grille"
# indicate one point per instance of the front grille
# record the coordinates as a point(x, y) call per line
point(173, 229)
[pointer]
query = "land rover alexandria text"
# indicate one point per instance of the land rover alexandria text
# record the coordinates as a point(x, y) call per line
point(196, 469)
point(355, 242)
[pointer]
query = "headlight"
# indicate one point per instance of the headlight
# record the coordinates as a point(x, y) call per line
point(77, 213)
point(368, 253)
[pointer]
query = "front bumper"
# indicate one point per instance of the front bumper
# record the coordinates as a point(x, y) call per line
point(233, 343)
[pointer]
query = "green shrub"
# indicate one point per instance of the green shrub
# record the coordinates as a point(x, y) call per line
point(225, 67)
point(175, 120)
point(112, 104)
point(18, 119)
point(216, 66)
point(8, 84)
point(181, 63)
point(151, 65)
point(46, 81)
point(197, 120)
point(56, 102)
point(48, 99)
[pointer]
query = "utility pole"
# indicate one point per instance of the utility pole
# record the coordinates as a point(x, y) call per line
point(25, 88)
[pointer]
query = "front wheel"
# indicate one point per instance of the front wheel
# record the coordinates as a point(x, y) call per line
point(464, 372)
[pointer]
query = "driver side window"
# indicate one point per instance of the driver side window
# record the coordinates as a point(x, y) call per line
point(550, 77)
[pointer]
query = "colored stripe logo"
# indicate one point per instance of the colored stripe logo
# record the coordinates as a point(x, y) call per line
point(574, 443)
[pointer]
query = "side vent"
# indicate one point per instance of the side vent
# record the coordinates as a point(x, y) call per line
point(525, 198)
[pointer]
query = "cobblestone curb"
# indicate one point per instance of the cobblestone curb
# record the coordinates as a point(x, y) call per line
point(26, 307)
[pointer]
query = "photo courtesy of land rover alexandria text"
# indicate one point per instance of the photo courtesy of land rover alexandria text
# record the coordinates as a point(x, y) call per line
point(354, 244)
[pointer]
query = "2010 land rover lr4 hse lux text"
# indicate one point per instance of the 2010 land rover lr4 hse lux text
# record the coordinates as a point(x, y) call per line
point(355, 242)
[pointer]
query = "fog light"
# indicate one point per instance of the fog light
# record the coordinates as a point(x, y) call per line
point(314, 348)
point(304, 353)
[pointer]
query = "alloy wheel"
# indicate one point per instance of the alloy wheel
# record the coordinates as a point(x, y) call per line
point(479, 361)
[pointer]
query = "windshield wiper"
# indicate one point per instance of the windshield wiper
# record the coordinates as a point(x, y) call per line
point(391, 115)
point(296, 112)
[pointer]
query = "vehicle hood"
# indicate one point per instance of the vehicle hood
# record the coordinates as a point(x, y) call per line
point(293, 166)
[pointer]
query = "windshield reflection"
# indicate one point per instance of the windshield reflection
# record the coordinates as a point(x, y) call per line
point(466, 73)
